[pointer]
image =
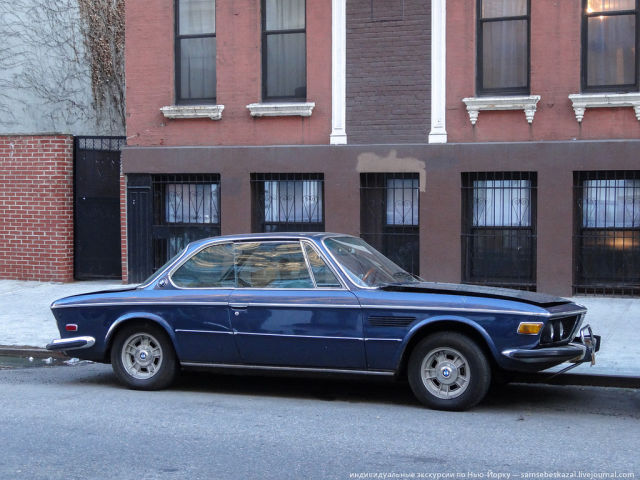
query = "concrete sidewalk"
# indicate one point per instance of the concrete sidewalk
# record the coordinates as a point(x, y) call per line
point(25, 320)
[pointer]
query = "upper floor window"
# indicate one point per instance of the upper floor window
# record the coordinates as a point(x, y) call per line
point(503, 47)
point(610, 45)
point(284, 50)
point(195, 51)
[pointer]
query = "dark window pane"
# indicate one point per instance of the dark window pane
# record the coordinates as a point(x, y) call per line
point(504, 54)
point(271, 265)
point(285, 14)
point(197, 17)
point(210, 268)
point(594, 6)
point(611, 55)
point(503, 8)
point(286, 65)
point(198, 68)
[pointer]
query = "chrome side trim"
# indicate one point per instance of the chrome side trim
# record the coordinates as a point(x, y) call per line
point(319, 337)
point(143, 303)
point(474, 310)
point(288, 369)
point(383, 339)
point(303, 305)
point(181, 330)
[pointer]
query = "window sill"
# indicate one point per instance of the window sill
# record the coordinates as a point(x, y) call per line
point(528, 103)
point(175, 112)
point(282, 109)
point(582, 101)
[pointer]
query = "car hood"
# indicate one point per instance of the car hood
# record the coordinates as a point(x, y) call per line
point(531, 298)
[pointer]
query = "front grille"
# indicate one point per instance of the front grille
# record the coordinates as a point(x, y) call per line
point(390, 321)
point(559, 330)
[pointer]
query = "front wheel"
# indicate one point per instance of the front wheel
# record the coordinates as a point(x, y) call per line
point(142, 357)
point(449, 371)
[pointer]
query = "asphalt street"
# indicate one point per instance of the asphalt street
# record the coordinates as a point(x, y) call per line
point(75, 422)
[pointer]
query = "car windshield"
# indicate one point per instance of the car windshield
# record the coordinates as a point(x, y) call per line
point(364, 265)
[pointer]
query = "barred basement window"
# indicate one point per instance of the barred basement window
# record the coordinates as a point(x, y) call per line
point(185, 208)
point(607, 238)
point(389, 206)
point(499, 229)
point(286, 202)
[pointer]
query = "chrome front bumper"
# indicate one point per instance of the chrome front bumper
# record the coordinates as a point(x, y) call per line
point(582, 349)
point(74, 343)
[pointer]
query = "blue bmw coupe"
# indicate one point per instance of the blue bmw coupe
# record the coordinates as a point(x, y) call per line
point(319, 303)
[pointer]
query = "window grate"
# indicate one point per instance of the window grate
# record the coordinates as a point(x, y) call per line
point(499, 229)
point(607, 233)
point(185, 208)
point(389, 216)
point(287, 202)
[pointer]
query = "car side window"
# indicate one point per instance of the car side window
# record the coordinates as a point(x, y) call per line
point(271, 265)
point(211, 267)
point(321, 272)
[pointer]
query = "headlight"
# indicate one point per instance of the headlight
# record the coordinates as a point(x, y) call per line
point(548, 333)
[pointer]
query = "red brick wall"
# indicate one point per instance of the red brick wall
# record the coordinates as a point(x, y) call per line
point(36, 208)
point(150, 79)
point(555, 74)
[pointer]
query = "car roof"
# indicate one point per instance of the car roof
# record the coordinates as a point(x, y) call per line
point(317, 236)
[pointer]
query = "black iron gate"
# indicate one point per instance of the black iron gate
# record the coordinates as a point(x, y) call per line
point(97, 252)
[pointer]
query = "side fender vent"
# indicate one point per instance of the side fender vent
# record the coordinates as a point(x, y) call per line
point(391, 321)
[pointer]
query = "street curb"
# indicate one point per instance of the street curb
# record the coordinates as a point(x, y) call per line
point(27, 351)
point(578, 379)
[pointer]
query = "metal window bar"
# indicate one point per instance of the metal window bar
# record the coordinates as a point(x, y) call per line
point(389, 216)
point(607, 233)
point(499, 229)
point(287, 202)
point(185, 208)
point(106, 144)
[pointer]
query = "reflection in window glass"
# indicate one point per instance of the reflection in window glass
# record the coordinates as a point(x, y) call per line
point(272, 265)
point(611, 204)
point(209, 268)
point(402, 201)
point(322, 274)
point(503, 8)
point(611, 50)
point(192, 203)
point(594, 6)
point(197, 17)
point(502, 203)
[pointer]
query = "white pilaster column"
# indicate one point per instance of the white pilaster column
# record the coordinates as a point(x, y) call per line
point(438, 132)
point(338, 72)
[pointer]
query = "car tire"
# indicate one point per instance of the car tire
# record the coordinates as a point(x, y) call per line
point(449, 371)
point(143, 358)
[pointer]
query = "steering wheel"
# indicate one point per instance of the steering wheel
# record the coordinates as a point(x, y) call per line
point(370, 272)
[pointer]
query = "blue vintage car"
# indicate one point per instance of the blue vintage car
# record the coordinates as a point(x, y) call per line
point(319, 303)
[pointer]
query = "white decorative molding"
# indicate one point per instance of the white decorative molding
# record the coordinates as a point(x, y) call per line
point(438, 133)
point(283, 109)
point(214, 112)
point(582, 101)
point(338, 72)
point(528, 103)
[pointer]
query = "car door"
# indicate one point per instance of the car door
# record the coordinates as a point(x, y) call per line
point(283, 315)
point(200, 307)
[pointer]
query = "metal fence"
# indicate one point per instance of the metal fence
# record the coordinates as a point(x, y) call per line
point(185, 208)
point(287, 202)
point(607, 233)
point(499, 229)
point(389, 216)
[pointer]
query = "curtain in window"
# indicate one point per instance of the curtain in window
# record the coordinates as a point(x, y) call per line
point(502, 203)
point(286, 52)
point(611, 204)
point(197, 55)
point(293, 201)
point(402, 201)
point(191, 203)
point(611, 56)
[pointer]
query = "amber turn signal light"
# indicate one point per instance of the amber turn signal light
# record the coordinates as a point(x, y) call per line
point(530, 328)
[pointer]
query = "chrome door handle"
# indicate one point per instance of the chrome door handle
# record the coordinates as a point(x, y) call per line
point(239, 306)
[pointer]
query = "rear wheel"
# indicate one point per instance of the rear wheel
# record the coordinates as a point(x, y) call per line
point(449, 371)
point(142, 357)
